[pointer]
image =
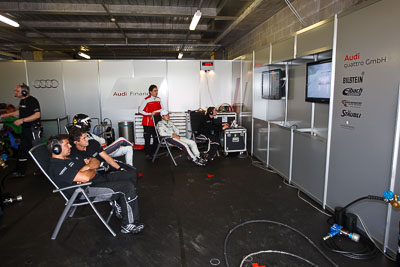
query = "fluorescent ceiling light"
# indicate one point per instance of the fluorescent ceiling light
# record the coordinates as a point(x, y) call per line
point(8, 21)
point(83, 55)
point(195, 20)
point(180, 55)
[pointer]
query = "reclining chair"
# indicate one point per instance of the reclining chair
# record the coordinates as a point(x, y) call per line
point(42, 156)
point(162, 142)
point(68, 127)
point(195, 120)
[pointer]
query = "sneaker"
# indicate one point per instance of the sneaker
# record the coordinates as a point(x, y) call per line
point(203, 160)
point(117, 209)
point(18, 174)
point(132, 228)
point(199, 163)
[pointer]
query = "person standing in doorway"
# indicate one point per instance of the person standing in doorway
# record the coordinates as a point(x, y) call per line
point(151, 105)
point(29, 118)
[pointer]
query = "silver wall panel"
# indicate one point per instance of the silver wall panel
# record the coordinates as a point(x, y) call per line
point(315, 40)
point(50, 96)
point(259, 104)
point(245, 115)
point(266, 109)
point(279, 153)
point(299, 111)
point(11, 74)
point(308, 169)
point(184, 77)
point(321, 118)
point(283, 50)
point(361, 147)
point(260, 140)
point(236, 82)
point(81, 85)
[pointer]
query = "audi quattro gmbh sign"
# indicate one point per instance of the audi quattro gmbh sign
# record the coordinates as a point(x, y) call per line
point(45, 83)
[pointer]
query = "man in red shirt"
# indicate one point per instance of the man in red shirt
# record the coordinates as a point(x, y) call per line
point(151, 105)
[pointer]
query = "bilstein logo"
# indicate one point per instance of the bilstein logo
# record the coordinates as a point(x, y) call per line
point(120, 94)
point(353, 57)
point(352, 91)
point(351, 104)
point(354, 79)
point(349, 113)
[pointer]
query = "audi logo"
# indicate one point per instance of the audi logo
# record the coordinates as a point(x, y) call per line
point(45, 83)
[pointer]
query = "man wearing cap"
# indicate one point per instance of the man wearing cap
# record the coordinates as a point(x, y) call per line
point(151, 105)
point(165, 127)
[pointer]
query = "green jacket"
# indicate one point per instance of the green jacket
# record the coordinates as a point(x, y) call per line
point(10, 123)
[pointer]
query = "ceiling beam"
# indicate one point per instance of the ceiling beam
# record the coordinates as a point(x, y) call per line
point(242, 16)
point(111, 25)
point(6, 54)
point(116, 10)
point(112, 35)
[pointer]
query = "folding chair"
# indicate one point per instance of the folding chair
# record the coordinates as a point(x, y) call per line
point(195, 120)
point(42, 156)
point(68, 127)
point(161, 141)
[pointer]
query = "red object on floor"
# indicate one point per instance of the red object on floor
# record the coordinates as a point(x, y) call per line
point(138, 147)
point(256, 265)
point(210, 175)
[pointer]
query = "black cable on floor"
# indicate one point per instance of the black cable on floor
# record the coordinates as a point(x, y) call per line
point(368, 251)
point(277, 223)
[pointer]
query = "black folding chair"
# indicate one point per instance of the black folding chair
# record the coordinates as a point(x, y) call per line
point(161, 141)
point(196, 118)
point(42, 156)
point(68, 127)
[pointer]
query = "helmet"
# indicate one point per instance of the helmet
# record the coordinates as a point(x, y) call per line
point(225, 107)
point(82, 121)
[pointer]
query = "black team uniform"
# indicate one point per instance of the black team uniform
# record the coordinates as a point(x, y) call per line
point(64, 171)
point(30, 135)
point(93, 150)
point(211, 128)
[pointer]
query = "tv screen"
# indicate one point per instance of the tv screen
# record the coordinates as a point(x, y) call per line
point(318, 85)
point(272, 86)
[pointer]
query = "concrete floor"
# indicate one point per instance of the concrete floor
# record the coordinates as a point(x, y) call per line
point(188, 212)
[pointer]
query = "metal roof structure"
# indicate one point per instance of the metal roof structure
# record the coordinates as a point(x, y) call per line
point(128, 29)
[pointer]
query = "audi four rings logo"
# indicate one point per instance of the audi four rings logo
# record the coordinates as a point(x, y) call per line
point(45, 83)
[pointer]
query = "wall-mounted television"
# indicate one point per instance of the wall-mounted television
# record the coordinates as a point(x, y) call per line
point(272, 84)
point(318, 84)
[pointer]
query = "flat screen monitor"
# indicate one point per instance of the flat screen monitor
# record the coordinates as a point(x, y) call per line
point(272, 85)
point(318, 85)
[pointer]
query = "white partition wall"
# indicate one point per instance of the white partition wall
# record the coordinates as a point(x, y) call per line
point(81, 85)
point(114, 89)
point(11, 74)
point(184, 78)
point(215, 86)
point(46, 84)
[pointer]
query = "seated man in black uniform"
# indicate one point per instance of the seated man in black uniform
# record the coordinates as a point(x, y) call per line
point(212, 129)
point(66, 170)
point(86, 149)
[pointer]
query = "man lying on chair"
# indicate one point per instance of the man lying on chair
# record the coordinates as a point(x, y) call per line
point(120, 147)
point(87, 148)
point(165, 127)
point(68, 170)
